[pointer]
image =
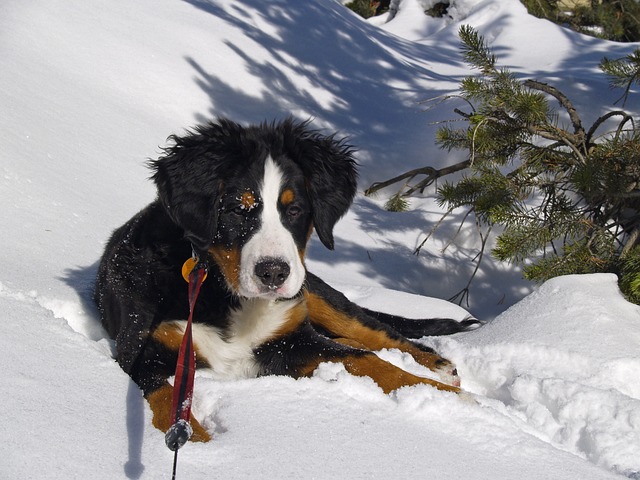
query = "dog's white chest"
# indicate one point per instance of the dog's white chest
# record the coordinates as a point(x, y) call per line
point(230, 353)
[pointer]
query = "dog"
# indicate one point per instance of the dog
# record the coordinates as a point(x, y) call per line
point(247, 199)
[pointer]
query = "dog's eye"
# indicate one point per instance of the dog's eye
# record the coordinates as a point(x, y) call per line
point(240, 211)
point(294, 211)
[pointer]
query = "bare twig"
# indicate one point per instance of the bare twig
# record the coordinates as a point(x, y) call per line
point(463, 294)
point(433, 229)
point(443, 98)
point(455, 235)
point(432, 175)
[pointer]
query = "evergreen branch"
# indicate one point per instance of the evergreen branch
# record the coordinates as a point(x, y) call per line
point(473, 139)
point(443, 172)
point(374, 187)
point(432, 175)
point(475, 50)
point(546, 134)
point(632, 241)
point(564, 101)
point(627, 89)
point(561, 136)
point(465, 115)
point(623, 72)
point(443, 98)
point(600, 120)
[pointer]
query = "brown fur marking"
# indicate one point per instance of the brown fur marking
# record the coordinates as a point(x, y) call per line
point(296, 315)
point(388, 376)
point(287, 197)
point(248, 200)
point(344, 326)
point(348, 328)
point(168, 334)
point(161, 403)
point(350, 342)
point(229, 262)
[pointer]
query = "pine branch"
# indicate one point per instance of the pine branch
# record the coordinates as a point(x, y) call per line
point(623, 72)
point(600, 120)
point(431, 173)
point(475, 50)
point(564, 101)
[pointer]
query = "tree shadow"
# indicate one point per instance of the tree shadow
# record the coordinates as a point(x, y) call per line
point(82, 280)
point(392, 262)
point(356, 83)
point(366, 82)
point(369, 83)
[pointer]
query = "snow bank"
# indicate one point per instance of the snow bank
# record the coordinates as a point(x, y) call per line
point(547, 394)
point(564, 362)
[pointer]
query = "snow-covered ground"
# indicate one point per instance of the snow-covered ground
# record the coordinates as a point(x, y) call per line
point(89, 90)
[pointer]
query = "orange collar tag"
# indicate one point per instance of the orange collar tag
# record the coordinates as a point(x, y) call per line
point(188, 266)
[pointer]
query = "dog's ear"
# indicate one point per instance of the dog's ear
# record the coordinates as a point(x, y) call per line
point(189, 186)
point(330, 170)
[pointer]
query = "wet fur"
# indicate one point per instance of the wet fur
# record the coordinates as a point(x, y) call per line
point(247, 199)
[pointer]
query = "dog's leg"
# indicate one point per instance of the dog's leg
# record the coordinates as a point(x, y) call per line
point(426, 359)
point(302, 350)
point(155, 364)
point(367, 364)
point(388, 376)
point(161, 403)
point(351, 332)
point(330, 311)
point(350, 342)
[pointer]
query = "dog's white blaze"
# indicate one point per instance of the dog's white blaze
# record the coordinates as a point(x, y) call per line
point(230, 354)
point(272, 240)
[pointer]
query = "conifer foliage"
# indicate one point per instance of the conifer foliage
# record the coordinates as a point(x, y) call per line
point(564, 196)
point(623, 72)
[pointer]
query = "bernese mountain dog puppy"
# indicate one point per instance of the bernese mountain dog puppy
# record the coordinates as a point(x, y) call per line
point(246, 200)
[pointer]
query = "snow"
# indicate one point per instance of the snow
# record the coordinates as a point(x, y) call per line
point(90, 90)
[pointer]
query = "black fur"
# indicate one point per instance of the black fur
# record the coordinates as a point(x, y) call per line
point(191, 175)
point(200, 179)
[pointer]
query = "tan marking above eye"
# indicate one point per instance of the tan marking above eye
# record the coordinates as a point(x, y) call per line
point(287, 197)
point(247, 200)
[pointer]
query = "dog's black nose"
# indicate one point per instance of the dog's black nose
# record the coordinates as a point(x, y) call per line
point(272, 272)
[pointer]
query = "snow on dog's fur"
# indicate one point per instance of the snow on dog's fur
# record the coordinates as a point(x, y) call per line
point(247, 200)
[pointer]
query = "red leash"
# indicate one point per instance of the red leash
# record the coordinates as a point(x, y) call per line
point(180, 431)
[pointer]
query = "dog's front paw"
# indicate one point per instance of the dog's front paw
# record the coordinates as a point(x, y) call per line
point(446, 370)
point(161, 401)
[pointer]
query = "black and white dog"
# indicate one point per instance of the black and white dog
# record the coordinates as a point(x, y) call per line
point(247, 200)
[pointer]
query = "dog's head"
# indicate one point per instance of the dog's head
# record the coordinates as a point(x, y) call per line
point(251, 196)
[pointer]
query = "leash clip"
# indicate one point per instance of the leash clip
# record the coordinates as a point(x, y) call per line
point(193, 263)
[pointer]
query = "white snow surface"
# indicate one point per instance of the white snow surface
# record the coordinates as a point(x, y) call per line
point(89, 90)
